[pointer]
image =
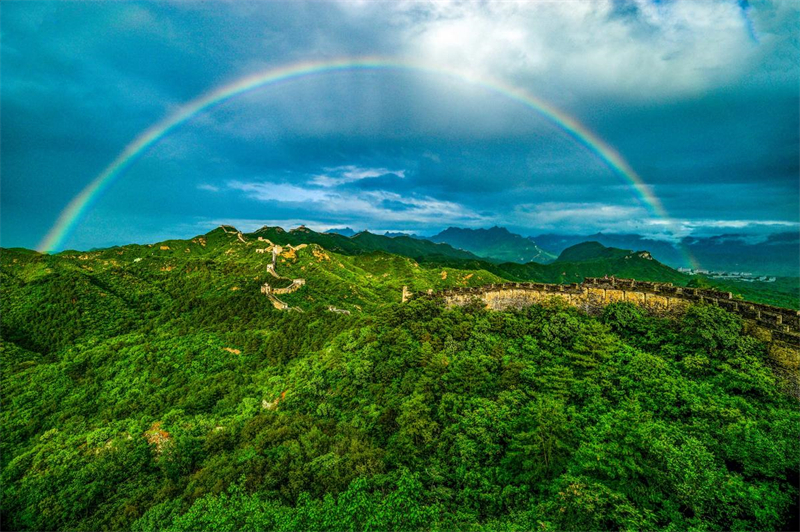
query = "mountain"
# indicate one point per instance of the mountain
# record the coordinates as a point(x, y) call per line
point(776, 254)
point(353, 274)
point(167, 386)
point(344, 231)
point(393, 234)
point(588, 251)
point(201, 274)
point(496, 243)
point(662, 250)
point(409, 247)
point(363, 242)
point(592, 259)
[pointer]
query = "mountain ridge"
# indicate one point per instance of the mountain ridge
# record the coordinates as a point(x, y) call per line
point(496, 243)
point(243, 251)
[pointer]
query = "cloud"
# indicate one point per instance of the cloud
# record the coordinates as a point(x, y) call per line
point(281, 192)
point(351, 173)
point(367, 206)
point(571, 217)
point(630, 48)
point(705, 114)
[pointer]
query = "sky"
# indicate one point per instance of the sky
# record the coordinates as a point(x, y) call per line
point(701, 98)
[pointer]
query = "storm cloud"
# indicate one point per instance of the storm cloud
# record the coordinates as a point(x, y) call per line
point(700, 97)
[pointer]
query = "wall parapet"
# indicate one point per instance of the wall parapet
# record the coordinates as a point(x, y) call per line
point(594, 293)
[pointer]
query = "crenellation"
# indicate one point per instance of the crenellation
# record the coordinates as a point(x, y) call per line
point(770, 319)
point(669, 290)
point(574, 288)
point(625, 284)
point(614, 295)
point(657, 304)
point(637, 298)
point(692, 296)
point(747, 310)
point(712, 294)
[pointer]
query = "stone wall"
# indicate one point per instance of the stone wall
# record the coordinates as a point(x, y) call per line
point(296, 284)
point(774, 323)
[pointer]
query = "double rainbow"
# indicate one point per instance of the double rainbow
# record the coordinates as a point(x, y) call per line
point(81, 203)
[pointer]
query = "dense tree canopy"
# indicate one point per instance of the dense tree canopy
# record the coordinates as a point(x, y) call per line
point(417, 417)
point(155, 387)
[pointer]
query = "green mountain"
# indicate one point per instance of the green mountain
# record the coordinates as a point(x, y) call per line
point(776, 254)
point(496, 243)
point(344, 231)
point(155, 387)
point(588, 262)
point(588, 251)
point(363, 242)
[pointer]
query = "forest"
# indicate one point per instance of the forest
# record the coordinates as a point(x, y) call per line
point(152, 395)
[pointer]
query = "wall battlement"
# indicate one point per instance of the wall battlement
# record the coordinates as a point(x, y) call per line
point(782, 325)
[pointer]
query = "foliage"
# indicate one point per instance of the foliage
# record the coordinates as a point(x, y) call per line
point(141, 397)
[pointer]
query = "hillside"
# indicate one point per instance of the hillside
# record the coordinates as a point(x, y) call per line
point(156, 387)
point(497, 244)
point(226, 268)
point(165, 400)
point(360, 243)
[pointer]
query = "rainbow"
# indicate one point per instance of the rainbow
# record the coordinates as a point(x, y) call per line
point(82, 202)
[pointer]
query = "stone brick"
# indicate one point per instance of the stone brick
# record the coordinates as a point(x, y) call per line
point(656, 303)
point(613, 295)
point(637, 298)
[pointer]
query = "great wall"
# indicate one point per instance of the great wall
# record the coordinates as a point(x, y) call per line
point(780, 327)
point(772, 324)
point(271, 292)
point(277, 250)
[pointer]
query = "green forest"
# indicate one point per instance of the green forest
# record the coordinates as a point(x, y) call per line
point(155, 388)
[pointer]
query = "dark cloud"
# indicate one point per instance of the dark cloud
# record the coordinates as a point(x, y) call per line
point(708, 118)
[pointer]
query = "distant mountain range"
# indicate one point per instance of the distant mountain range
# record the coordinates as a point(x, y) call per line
point(344, 231)
point(364, 242)
point(363, 269)
point(590, 259)
point(778, 254)
point(497, 243)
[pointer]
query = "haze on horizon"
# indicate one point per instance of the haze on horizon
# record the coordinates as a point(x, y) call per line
point(700, 97)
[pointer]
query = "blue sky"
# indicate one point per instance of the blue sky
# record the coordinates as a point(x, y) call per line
point(700, 97)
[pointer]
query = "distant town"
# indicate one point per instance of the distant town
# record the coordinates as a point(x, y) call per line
point(738, 276)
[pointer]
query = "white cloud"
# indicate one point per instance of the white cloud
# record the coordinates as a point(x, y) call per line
point(350, 173)
point(644, 49)
point(554, 215)
point(209, 188)
point(584, 218)
point(374, 205)
point(281, 192)
point(706, 227)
